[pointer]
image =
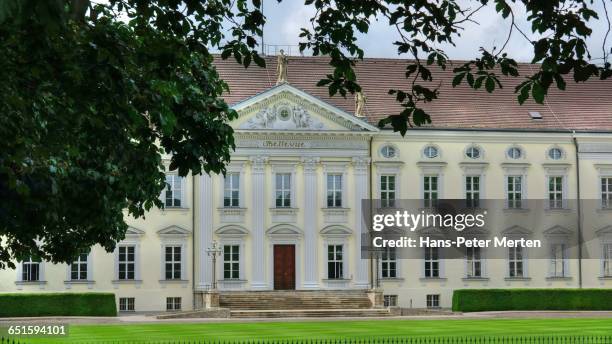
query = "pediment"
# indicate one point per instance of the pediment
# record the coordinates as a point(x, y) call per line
point(284, 230)
point(516, 230)
point(336, 230)
point(476, 231)
point(557, 231)
point(232, 231)
point(287, 108)
point(431, 231)
point(607, 230)
point(174, 231)
point(133, 231)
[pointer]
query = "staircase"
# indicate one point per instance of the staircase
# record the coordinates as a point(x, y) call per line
point(292, 304)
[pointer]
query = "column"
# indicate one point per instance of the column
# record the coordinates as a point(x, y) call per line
point(361, 183)
point(257, 210)
point(311, 264)
point(206, 232)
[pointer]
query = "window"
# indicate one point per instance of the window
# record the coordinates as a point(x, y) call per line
point(231, 190)
point(473, 152)
point(126, 304)
point(473, 262)
point(78, 268)
point(515, 153)
point(127, 262)
point(515, 192)
point(555, 153)
point(388, 152)
point(390, 300)
point(472, 191)
point(334, 190)
point(173, 303)
point(555, 192)
point(557, 260)
point(606, 192)
point(173, 262)
point(432, 262)
point(231, 261)
point(334, 262)
point(388, 263)
point(30, 270)
point(387, 191)
point(433, 301)
point(173, 190)
point(515, 262)
point(607, 260)
point(430, 152)
point(430, 191)
point(283, 190)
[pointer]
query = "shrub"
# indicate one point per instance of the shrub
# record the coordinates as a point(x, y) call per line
point(57, 304)
point(475, 300)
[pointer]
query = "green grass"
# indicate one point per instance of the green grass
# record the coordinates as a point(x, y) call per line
point(332, 329)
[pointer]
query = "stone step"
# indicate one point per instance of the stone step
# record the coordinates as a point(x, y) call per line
point(310, 313)
point(283, 300)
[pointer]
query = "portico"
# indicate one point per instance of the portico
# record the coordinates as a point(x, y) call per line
point(299, 173)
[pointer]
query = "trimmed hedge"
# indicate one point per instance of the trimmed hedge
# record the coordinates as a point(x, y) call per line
point(477, 300)
point(57, 304)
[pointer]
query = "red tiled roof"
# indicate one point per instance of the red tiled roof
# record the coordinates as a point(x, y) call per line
point(584, 106)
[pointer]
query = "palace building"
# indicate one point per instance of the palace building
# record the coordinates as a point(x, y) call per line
point(288, 214)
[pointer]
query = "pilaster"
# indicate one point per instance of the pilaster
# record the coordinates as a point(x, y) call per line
point(311, 276)
point(257, 210)
point(206, 232)
point(360, 172)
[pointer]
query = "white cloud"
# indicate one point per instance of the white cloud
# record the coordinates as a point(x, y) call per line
point(286, 18)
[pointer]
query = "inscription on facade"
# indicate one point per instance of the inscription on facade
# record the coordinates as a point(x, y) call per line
point(284, 144)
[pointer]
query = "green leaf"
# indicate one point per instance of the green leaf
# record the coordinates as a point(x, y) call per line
point(538, 93)
point(457, 79)
point(259, 61)
point(490, 84)
point(226, 53)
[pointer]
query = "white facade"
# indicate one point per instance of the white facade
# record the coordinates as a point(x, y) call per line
point(294, 188)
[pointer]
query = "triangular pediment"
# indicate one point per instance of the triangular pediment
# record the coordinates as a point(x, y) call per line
point(517, 231)
point(133, 231)
point(430, 231)
point(557, 231)
point(605, 231)
point(287, 108)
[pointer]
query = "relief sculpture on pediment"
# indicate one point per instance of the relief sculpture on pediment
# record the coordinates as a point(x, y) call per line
point(283, 116)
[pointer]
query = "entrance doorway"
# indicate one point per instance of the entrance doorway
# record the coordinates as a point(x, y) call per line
point(284, 267)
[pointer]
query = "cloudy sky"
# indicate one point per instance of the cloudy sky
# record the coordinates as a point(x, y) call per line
point(286, 19)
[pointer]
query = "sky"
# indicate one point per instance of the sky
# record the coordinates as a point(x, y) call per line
point(285, 19)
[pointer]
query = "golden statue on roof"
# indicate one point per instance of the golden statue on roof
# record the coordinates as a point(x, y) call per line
point(281, 68)
point(360, 102)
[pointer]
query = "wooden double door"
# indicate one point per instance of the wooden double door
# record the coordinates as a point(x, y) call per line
point(284, 267)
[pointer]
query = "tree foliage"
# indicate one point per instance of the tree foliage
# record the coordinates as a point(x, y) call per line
point(92, 95)
point(560, 50)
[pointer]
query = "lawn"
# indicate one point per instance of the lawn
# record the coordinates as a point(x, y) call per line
point(332, 329)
